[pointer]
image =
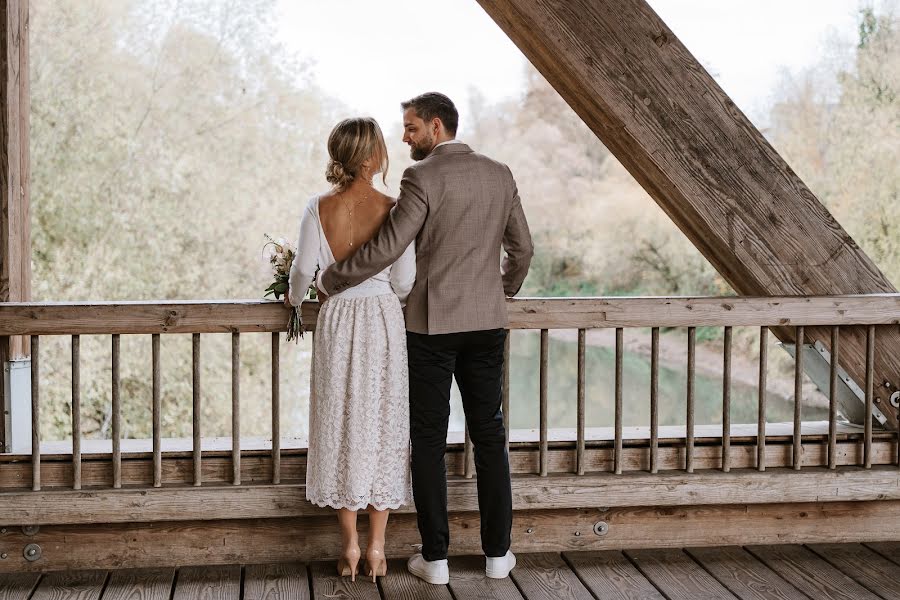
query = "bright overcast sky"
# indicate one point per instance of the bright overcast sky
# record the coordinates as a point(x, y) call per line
point(372, 55)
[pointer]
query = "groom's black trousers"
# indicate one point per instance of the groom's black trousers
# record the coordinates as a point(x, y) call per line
point(475, 358)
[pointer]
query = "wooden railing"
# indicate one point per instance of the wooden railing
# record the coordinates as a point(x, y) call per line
point(196, 318)
point(557, 475)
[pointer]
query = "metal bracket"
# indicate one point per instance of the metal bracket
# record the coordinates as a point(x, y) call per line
point(851, 398)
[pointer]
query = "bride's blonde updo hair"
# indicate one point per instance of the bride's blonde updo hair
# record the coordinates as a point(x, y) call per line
point(351, 142)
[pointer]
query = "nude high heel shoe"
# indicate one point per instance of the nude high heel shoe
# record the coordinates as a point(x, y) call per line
point(376, 564)
point(347, 563)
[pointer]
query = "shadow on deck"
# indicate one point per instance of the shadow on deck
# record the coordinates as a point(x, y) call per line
point(814, 571)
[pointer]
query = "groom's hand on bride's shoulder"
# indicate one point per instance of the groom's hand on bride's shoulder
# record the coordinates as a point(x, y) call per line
point(320, 295)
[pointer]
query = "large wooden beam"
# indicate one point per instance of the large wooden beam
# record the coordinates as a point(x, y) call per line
point(127, 545)
point(663, 116)
point(15, 226)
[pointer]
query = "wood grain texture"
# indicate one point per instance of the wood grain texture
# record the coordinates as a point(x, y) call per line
point(467, 580)
point(18, 586)
point(609, 574)
point(868, 568)
point(744, 575)
point(288, 581)
point(400, 584)
point(257, 541)
point(15, 220)
point(810, 573)
point(677, 575)
point(649, 100)
point(546, 576)
point(889, 550)
point(80, 585)
point(327, 584)
point(530, 492)
point(140, 584)
point(209, 582)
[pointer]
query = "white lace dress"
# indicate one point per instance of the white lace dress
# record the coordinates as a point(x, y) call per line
point(359, 398)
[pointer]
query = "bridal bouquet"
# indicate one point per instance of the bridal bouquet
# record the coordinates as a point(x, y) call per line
point(281, 255)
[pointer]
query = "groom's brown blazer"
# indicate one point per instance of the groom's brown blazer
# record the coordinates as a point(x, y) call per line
point(459, 207)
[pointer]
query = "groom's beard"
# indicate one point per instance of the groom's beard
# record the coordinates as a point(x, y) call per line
point(418, 152)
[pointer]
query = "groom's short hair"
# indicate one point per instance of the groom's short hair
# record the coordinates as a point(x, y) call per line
point(433, 104)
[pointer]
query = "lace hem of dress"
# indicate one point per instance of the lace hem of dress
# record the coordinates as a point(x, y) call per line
point(338, 504)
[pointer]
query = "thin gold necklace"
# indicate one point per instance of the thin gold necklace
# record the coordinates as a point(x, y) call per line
point(350, 208)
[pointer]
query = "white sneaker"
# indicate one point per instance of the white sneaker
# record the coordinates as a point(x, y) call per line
point(431, 571)
point(499, 568)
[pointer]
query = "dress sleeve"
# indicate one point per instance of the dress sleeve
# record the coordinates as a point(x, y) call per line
point(303, 269)
point(403, 273)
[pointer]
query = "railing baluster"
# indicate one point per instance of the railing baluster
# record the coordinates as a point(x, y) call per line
point(276, 408)
point(467, 453)
point(579, 450)
point(620, 348)
point(689, 437)
point(832, 397)
point(545, 359)
point(798, 397)
point(654, 400)
point(761, 420)
point(235, 408)
point(505, 399)
point(76, 412)
point(157, 410)
point(195, 360)
point(116, 415)
point(35, 415)
point(726, 402)
point(870, 394)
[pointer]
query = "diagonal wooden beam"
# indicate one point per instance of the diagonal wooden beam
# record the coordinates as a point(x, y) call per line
point(668, 122)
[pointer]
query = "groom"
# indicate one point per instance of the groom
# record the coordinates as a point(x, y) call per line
point(460, 208)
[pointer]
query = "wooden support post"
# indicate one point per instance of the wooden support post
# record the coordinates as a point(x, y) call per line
point(664, 117)
point(15, 228)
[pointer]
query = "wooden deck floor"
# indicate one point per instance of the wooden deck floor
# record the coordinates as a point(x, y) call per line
point(834, 571)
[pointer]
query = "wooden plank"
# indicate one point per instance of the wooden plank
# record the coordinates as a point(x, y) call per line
point(35, 413)
point(689, 417)
point(726, 402)
point(712, 172)
point(256, 466)
point(400, 584)
point(116, 414)
point(71, 585)
point(809, 573)
point(227, 316)
point(327, 584)
point(676, 575)
point(140, 584)
point(654, 400)
point(209, 582)
point(743, 574)
point(467, 580)
point(530, 492)
point(196, 411)
point(287, 581)
point(276, 409)
point(889, 550)
point(609, 574)
point(546, 576)
point(128, 545)
point(868, 568)
point(76, 412)
point(236, 408)
point(870, 393)
point(18, 586)
point(832, 395)
point(157, 410)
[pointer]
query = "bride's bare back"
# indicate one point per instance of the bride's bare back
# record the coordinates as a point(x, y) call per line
point(369, 209)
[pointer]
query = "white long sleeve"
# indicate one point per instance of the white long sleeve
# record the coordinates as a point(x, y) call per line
point(403, 273)
point(303, 269)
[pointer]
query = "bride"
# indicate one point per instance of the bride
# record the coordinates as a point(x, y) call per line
point(358, 455)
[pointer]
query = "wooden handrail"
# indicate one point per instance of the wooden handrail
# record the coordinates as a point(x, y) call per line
point(72, 318)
